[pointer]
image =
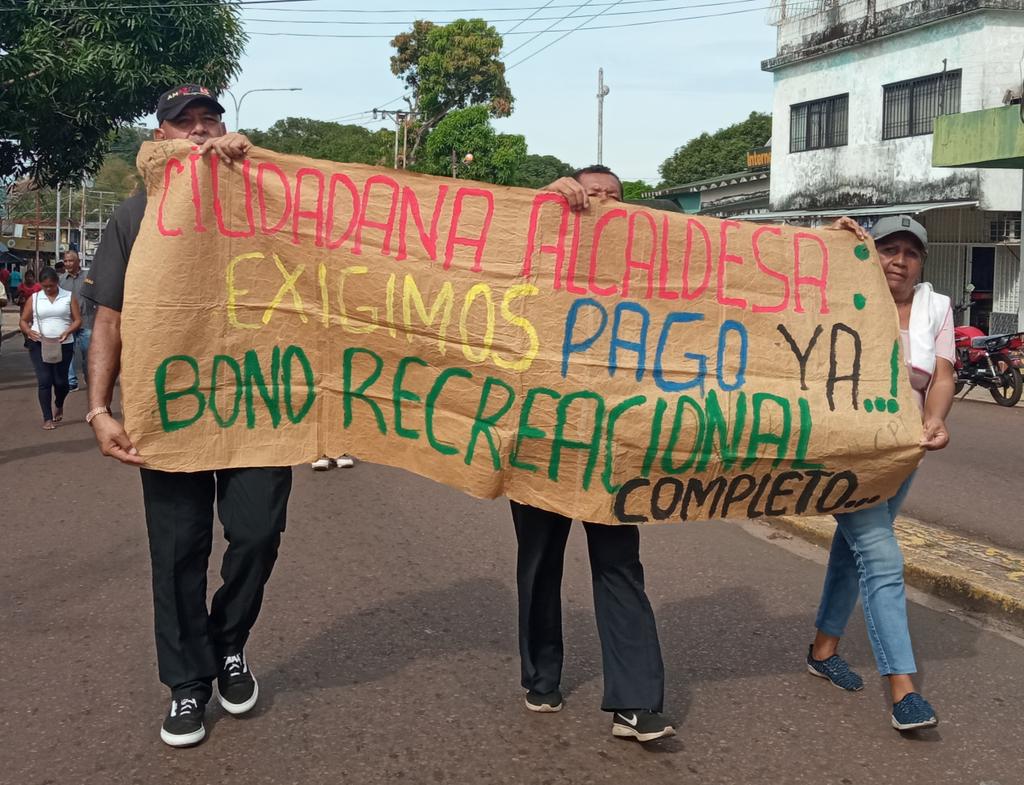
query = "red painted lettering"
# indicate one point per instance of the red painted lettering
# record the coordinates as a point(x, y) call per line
point(197, 199)
point(411, 206)
point(472, 242)
point(283, 191)
point(332, 194)
point(316, 215)
point(688, 293)
point(663, 293)
point(819, 283)
point(724, 258)
point(558, 248)
point(218, 206)
point(172, 163)
point(632, 263)
point(387, 225)
point(756, 243)
point(599, 227)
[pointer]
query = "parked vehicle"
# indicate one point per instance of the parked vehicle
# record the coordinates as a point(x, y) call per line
point(989, 361)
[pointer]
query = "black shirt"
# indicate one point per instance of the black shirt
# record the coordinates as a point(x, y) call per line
point(105, 283)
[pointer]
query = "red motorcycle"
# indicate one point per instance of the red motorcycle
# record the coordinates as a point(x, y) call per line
point(989, 361)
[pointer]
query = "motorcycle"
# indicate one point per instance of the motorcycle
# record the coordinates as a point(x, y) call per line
point(989, 361)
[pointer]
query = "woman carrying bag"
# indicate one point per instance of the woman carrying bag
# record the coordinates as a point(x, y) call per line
point(49, 319)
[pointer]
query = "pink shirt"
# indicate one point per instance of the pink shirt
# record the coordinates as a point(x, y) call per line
point(945, 349)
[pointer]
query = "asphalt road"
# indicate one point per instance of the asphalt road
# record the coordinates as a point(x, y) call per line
point(974, 486)
point(386, 650)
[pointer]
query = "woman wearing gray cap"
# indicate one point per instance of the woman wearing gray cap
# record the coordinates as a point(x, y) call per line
point(865, 558)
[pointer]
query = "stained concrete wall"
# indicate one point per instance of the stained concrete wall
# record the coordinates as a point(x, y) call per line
point(985, 45)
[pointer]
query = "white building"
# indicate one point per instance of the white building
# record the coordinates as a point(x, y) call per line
point(857, 87)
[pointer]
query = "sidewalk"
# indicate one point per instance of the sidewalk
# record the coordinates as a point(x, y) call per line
point(969, 573)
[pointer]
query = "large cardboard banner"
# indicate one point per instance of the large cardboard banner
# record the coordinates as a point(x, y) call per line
point(620, 365)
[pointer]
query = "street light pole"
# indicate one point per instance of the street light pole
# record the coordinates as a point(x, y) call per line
point(238, 101)
point(602, 91)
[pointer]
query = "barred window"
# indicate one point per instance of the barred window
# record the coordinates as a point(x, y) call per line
point(817, 124)
point(909, 108)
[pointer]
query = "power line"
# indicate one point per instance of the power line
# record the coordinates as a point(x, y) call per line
point(552, 43)
point(570, 30)
point(547, 30)
point(207, 3)
point(519, 22)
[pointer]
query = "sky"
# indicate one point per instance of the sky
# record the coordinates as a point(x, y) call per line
point(669, 81)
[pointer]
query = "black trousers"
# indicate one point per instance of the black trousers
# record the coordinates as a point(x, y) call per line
point(251, 504)
point(634, 675)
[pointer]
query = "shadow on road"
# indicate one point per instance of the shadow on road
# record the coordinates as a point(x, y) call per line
point(36, 450)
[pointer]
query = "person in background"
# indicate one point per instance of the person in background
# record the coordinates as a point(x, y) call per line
point(865, 558)
point(3, 304)
point(325, 463)
point(5, 280)
point(26, 287)
point(15, 281)
point(634, 674)
point(51, 315)
point(72, 281)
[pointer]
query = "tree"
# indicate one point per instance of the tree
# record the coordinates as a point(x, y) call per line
point(327, 140)
point(496, 157)
point(71, 73)
point(450, 67)
point(635, 189)
point(711, 155)
point(536, 171)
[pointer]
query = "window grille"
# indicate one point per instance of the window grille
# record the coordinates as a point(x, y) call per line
point(818, 124)
point(909, 108)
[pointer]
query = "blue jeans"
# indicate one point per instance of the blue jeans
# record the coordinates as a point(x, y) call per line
point(80, 360)
point(866, 559)
point(51, 378)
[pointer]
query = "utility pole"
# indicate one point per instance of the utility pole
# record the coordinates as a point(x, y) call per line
point(602, 91)
point(56, 239)
point(401, 118)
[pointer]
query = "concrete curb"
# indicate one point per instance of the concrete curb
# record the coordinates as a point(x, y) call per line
point(969, 573)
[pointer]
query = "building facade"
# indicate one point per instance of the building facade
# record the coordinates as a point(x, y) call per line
point(857, 87)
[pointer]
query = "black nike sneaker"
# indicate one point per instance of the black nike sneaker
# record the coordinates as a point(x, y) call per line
point(641, 725)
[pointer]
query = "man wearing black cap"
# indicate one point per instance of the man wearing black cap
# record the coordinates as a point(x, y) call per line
point(194, 645)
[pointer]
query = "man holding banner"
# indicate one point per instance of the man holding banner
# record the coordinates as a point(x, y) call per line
point(194, 645)
point(634, 675)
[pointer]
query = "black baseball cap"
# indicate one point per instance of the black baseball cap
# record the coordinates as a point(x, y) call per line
point(173, 102)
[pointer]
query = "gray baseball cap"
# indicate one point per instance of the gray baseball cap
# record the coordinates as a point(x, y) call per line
point(894, 224)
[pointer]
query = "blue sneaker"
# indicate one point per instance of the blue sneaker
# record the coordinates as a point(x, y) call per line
point(836, 670)
point(913, 712)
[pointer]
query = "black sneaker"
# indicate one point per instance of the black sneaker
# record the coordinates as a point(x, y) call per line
point(236, 687)
point(641, 725)
point(183, 725)
point(544, 701)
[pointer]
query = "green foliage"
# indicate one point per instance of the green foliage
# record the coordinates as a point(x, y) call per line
point(327, 140)
point(496, 157)
point(450, 67)
point(635, 189)
point(536, 171)
point(71, 73)
point(126, 143)
point(723, 152)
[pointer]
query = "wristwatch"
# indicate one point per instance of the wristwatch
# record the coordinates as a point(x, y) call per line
point(94, 413)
